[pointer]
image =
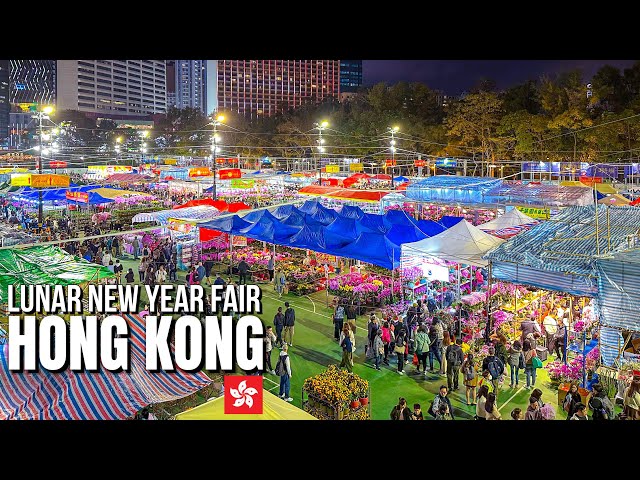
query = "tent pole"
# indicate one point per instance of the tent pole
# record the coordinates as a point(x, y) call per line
point(458, 270)
point(566, 329)
point(608, 231)
point(230, 256)
point(488, 319)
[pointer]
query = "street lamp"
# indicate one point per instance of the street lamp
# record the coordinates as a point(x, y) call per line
point(143, 146)
point(41, 115)
point(392, 147)
point(214, 149)
point(320, 126)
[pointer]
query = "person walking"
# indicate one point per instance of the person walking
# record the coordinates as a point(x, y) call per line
point(142, 268)
point(495, 366)
point(243, 268)
point(455, 357)
point(559, 341)
point(571, 401)
point(436, 335)
point(442, 399)
point(284, 371)
point(269, 340)
point(347, 349)
point(401, 411)
point(136, 247)
point(516, 361)
point(378, 349)
point(470, 376)
point(278, 323)
point(117, 269)
point(421, 347)
point(386, 340)
point(338, 320)
point(289, 324)
point(201, 271)
point(529, 368)
point(351, 312)
point(483, 394)
point(280, 281)
point(491, 408)
point(632, 398)
point(401, 339)
point(516, 413)
point(270, 266)
point(130, 276)
point(600, 404)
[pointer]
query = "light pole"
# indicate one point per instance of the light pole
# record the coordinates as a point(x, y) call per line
point(392, 147)
point(214, 150)
point(143, 146)
point(41, 115)
point(320, 126)
point(117, 149)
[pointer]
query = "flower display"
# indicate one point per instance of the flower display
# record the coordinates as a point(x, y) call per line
point(365, 288)
point(548, 412)
point(579, 326)
point(593, 358)
point(571, 372)
point(336, 387)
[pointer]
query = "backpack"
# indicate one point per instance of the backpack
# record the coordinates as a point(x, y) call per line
point(281, 368)
point(600, 409)
point(469, 372)
point(452, 358)
point(430, 411)
point(495, 367)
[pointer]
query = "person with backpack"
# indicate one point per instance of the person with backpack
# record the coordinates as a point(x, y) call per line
point(401, 340)
point(495, 367)
point(455, 357)
point(289, 324)
point(421, 347)
point(278, 323)
point(338, 320)
point(351, 312)
point(600, 404)
point(130, 277)
point(372, 332)
point(401, 411)
point(516, 362)
point(571, 400)
point(436, 335)
point(470, 377)
point(283, 370)
point(559, 339)
point(347, 349)
point(500, 345)
point(243, 268)
point(440, 400)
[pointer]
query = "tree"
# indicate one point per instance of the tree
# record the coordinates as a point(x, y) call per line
point(609, 89)
point(522, 97)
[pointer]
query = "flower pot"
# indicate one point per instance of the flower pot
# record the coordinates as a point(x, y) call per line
point(355, 404)
point(364, 401)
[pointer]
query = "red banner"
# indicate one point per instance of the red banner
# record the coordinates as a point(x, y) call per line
point(420, 163)
point(590, 180)
point(200, 172)
point(230, 174)
point(389, 163)
point(57, 164)
point(82, 197)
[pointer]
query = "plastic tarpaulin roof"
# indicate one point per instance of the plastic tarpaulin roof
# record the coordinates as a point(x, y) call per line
point(269, 229)
point(199, 202)
point(351, 212)
point(539, 194)
point(103, 395)
point(430, 228)
point(614, 199)
point(324, 215)
point(94, 199)
point(451, 188)
point(344, 193)
point(317, 238)
point(558, 255)
point(256, 215)
point(375, 223)
point(449, 221)
point(373, 248)
point(227, 224)
point(512, 218)
point(400, 217)
point(163, 216)
point(400, 234)
point(462, 243)
point(283, 211)
point(310, 206)
point(129, 178)
point(41, 265)
point(114, 193)
point(273, 408)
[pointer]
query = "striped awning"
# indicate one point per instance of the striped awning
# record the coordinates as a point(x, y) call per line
point(163, 216)
point(92, 396)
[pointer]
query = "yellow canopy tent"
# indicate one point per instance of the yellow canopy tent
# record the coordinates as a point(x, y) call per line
point(615, 199)
point(112, 193)
point(600, 187)
point(274, 408)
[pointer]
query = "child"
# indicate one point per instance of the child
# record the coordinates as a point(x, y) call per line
point(417, 412)
point(486, 380)
point(516, 413)
point(443, 412)
point(129, 277)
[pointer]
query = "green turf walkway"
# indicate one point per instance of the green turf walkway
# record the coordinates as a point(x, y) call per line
point(314, 349)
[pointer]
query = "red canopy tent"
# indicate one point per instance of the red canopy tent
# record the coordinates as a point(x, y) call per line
point(219, 204)
point(237, 206)
point(355, 178)
point(381, 176)
point(343, 193)
point(635, 202)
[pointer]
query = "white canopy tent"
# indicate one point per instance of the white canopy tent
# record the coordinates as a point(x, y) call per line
point(512, 218)
point(463, 243)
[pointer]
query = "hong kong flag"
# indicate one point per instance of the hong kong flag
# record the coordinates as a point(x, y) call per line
point(243, 394)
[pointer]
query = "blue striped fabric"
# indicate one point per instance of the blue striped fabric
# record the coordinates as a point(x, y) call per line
point(611, 344)
point(561, 251)
point(92, 396)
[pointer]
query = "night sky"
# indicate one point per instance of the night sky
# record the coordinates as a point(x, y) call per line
point(456, 76)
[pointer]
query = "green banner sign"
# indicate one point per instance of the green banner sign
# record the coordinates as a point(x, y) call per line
point(242, 183)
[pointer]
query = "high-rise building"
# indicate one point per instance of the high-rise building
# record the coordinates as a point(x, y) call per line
point(32, 81)
point(171, 83)
point(261, 88)
point(112, 88)
point(190, 84)
point(4, 101)
point(350, 75)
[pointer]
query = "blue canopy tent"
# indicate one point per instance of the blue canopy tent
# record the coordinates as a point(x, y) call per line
point(351, 212)
point(401, 179)
point(283, 211)
point(232, 225)
point(255, 215)
point(269, 230)
point(430, 228)
point(400, 217)
point(324, 215)
point(376, 223)
point(310, 206)
point(400, 234)
point(449, 221)
point(296, 218)
point(344, 226)
point(373, 248)
point(317, 238)
point(94, 199)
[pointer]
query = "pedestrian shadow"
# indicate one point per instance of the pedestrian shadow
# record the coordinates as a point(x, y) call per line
point(314, 356)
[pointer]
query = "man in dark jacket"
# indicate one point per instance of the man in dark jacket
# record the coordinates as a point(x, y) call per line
point(278, 323)
point(559, 339)
point(454, 357)
point(289, 324)
point(351, 313)
point(243, 268)
point(495, 367)
point(442, 398)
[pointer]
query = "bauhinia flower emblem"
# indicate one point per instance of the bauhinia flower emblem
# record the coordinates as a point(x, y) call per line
point(243, 394)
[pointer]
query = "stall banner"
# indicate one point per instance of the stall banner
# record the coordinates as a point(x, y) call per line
point(13, 170)
point(541, 167)
point(356, 167)
point(537, 213)
point(420, 163)
point(590, 181)
point(108, 170)
point(57, 164)
point(389, 163)
point(43, 181)
point(606, 171)
point(82, 197)
point(297, 175)
point(170, 161)
point(199, 172)
point(240, 183)
point(446, 162)
point(332, 168)
point(230, 173)
point(239, 241)
point(20, 179)
point(323, 258)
